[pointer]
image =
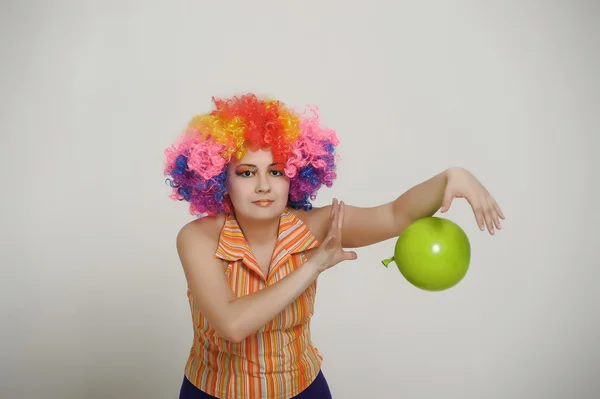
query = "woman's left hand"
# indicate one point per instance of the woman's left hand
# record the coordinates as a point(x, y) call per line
point(462, 184)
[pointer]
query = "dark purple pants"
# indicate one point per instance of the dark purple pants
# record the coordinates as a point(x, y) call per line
point(317, 390)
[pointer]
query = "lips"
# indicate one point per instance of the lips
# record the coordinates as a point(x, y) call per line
point(263, 203)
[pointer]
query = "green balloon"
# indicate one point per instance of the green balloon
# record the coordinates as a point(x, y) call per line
point(432, 254)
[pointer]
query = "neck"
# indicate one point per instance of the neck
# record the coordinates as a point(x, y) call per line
point(259, 232)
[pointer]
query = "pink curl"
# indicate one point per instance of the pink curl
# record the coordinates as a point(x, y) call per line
point(206, 159)
point(310, 126)
point(182, 145)
point(309, 146)
point(203, 156)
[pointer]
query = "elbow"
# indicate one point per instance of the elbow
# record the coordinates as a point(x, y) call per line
point(232, 333)
point(230, 325)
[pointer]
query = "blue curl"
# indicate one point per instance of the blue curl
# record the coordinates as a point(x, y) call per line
point(301, 204)
point(308, 173)
point(295, 204)
point(221, 177)
point(180, 165)
point(171, 183)
point(329, 147)
point(185, 192)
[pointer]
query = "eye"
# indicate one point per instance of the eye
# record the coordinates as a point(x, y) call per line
point(276, 173)
point(245, 173)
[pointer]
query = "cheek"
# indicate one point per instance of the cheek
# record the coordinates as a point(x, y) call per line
point(239, 188)
point(283, 186)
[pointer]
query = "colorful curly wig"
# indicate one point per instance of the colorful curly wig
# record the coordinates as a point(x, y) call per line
point(197, 161)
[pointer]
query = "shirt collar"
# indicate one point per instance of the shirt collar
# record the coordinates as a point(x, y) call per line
point(233, 245)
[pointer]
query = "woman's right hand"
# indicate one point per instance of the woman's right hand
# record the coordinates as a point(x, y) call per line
point(330, 252)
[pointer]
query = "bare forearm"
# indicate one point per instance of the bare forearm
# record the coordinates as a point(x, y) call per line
point(422, 200)
point(250, 312)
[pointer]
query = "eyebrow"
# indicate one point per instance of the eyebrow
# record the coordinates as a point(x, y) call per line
point(254, 166)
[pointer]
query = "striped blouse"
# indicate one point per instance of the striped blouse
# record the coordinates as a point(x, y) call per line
point(279, 360)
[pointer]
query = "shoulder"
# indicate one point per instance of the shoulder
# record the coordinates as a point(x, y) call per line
point(317, 220)
point(202, 232)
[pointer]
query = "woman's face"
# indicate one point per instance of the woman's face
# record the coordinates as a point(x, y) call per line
point(257, 187)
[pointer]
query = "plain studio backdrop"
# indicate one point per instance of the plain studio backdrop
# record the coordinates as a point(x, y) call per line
point(93, 300)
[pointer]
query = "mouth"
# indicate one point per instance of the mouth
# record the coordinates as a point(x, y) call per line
point(263, 203)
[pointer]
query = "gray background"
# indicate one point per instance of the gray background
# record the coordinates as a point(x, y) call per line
point(92, 296)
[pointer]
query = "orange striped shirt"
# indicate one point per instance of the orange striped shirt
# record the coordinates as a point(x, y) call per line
point(279, 360)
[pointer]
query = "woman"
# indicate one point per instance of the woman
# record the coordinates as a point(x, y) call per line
point(250, 169)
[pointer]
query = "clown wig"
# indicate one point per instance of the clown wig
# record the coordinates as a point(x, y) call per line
point(197, 161)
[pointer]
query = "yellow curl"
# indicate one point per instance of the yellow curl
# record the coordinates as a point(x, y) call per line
point(229, 133)
point(290, 123)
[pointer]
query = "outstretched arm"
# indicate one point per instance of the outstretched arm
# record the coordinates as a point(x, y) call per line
point(365, 226)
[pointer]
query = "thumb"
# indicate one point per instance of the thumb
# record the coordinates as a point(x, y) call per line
point(448, 197)
point(350, 255)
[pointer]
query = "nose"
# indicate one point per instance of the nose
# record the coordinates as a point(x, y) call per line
point(262, 185)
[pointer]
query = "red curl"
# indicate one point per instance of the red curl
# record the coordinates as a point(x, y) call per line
point(264, 128)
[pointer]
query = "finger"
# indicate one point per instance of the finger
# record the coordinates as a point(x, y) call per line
point(332, 223)
point(494, 215)
point(496, 219)
point(336, 226)
point(448, 197)
point(488, 220)
point(336, 215)
point(498, 210)
point(341, 216)
point(335, 209)
point(487, 215)
point(332, 213)
point(478, 211)
point(350, 255)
